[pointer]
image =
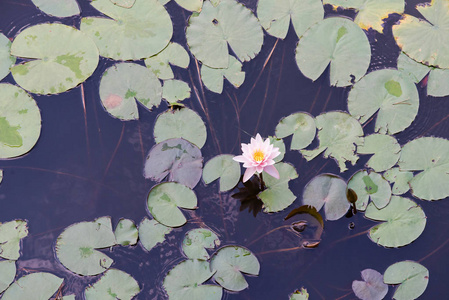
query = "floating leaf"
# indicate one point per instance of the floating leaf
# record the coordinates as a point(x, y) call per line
point(175, 90)
point(411, 276)
point(132, 33)
point(195, 242)
point(437, 83)
point(225, 168)
point(152, 233)
point(338, 42)
point(300, 295)
point(301, 125)
point(178, 159)
point(191, 5)
point(6, 59)
point(164, 200)
point(124, 3)
point(183, 123)
point(229, 263)
point(10, 235)
point(173, 54)
point(372, 287)
point(114, 284)
point(62, 57)
point(126, 232)
point(370, 186)
point(404, 221)
point(58, 8)
point(76, 246)
point(229, 23)
point(213, 78)
point(401, 180)
point(185, 281)
point(33, 286)
point(411, 68)
point(385, 148)
point(7, 273)
point(338, 133)
point(394, 98)
point(278, 143)
point(68, 297)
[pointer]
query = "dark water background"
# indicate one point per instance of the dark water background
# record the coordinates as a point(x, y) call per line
point(87, 164)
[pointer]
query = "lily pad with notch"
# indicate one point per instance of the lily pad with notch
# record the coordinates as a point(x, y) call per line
point(372, 287)
point(39, 285)
point(385, 148)
point(173, 54)
point(114, 284)
point(196, 241)
point(224, 168)
point(175, 91)
point(411, 277)
point(213, 79)
point(370, 185)
point(301, 125)
point(126, 232)
point(151, 233)
point(6, 59)
point(400, 179)
point(10, 235)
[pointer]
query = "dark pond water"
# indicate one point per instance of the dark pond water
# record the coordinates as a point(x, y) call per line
point(87, 164)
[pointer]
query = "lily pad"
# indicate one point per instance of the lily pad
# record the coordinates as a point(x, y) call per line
point(173, 54)
point(339, 134)
point(152, 233)
point(6, 59)
point(385, 148)
point(229, 23)
point(411, 68)
point(58, 8)
point(225, 168)
point(338, 42)
point(62, 57)
point(191, 5)
point(213, 78)
point(7, 273)
point(10, 235)
point(178, 159)
point(370, 186)
point(300, 295)
point(229, 263)
point(185, 281)
point(197, 241)
point(183, 123)
point(126, 232)
point(411, 276)
point(372, 287)
point(393, 96)
point(278, 196)
point(437, 83)
point(175, 90)
point(114, 284)
point(125, 83)
point(301, 125)
point(132, 33)
point(20, 121)
point(33, 286)
point(404, 221)
point(164, 200)
point(400, 179)
point(124, 3)
point(327, 190)
point(429, 155)
point(76, 247)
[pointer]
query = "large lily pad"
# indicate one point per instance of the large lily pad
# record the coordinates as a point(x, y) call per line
point(372, 287)
point(178, 159)
point(411, 276)
point(58, 8)
point(400, 179)
point(152, 233)
point(33, 286)
point(370, 186)
point(225, 168)
point(125, 83)
point(173, 54)
point(126, 232)
point(76, 247)
point(164, 200)
point(385, 148)
point(10, 235)
point(339, 133)
point(229, 23)
point(62, 57)
point(132, 33)
point(404, 221)
point(229, 263)
point(393, 96)
point(6, 59)
point(213, 78)
point(338, 42)
point(20, 121)
point(275, 15)
point(197, 241)
point(114, 284)
point(7, 273)
point(301, 125)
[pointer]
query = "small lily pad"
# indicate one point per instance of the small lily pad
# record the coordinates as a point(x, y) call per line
point(372, 287)
point(300, 295)
point(126, 232)
point(301, 125)
point(38, 285)
point(175, 91)
point(152, 233)
point(6, 59)
point(411, 276)
point(58, 8)
point(124, 3)
point(114, 284)
point(197, 241)
point(225, 168)
point(7, 273)
point(385, 148)
point(213, 78)
point(370, 186)
point(400, 179)
point(10, 235)
point(173, 54)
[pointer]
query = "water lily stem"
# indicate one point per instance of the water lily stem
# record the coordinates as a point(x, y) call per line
point(262, 183)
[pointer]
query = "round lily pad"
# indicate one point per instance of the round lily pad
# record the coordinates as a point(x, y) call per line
point(411, 276)
point(385, 148)
point(38, 285)
point(62, 57)
point(225, 168)
point(126, 232)
point(400, 179)
point(370, 186)
point(114, 284)
point(10, 235)
point(7, 273)
point(20, 121)
point(197, 241)
point(58, 8)
point(6, 59)
point(301, 125)
point(175, 90)
point(213, 78)
point(173, 54)
point(372, 287)
point(152, 233)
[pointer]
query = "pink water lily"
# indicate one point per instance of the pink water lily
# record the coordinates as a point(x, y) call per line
point(258, 157)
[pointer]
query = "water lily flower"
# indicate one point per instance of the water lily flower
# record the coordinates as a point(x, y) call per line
point(258, 157)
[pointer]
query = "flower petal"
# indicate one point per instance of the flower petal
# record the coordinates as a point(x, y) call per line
point(259, 139)
point(240, 158)
point(259, 169)
point(271, 170)
point(248, 173)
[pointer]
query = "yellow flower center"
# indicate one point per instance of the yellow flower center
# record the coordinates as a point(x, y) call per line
point(258, 155)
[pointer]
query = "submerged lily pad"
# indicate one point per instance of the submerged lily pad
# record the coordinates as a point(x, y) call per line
point(301, 125)
point(173, 54)
point(132, 33)
point(126, 232)
point(404, 221)
point(372, 287)
point(114, 284)
point(213, 78)
point(62, 57)
point(401, 180)
point(339, 133)
point(225, 168)
point(178, 159)
point(152, 233)
point(229, 23)
point(385, 148)
point(76, 247)
point(124, 3)
point(7, 273)
point(58, 8)
point(300, 295)
point(6, 59)
point(411, 276)
point(197, 241)
point(370, 186)
point(20, 121)
point(229, 263)
point(38, 285)
point(175, 90)
point(338, 42)
point(10, 235)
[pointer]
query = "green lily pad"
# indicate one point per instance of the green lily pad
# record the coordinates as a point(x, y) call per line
point(152, 233)
point(164, 200)
point(229, 23)
point(278, 143)
point(132, 33)
point(185, 281)
point(372, 287)
point(183, 123)
point(301, 125)
point(411, 276)
point(338, 42)
point(6, 59)
point(437, 83)
point(275, 16)
point(175, 90)
point(370, 186)
point(114, 284)
point(10, 235)
point(191, 5)
point(197, 241)
point(393, 96)
point(126, 232)
point(327, 190)
point(178, 159)
point(339, 134)
point(76, 247)
point(400, 179)
point(385, 148)
point(38, 285)
point(58, 8)
point(125, 83)
point(68, 297)
point(124, 3)
point(213, 78)
point(429, 155)
point(411, 68)
point(225, 168)
point(173, 54)
point(300, 295)
point(404, 221)
point(7, 273)
point(62, 57)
